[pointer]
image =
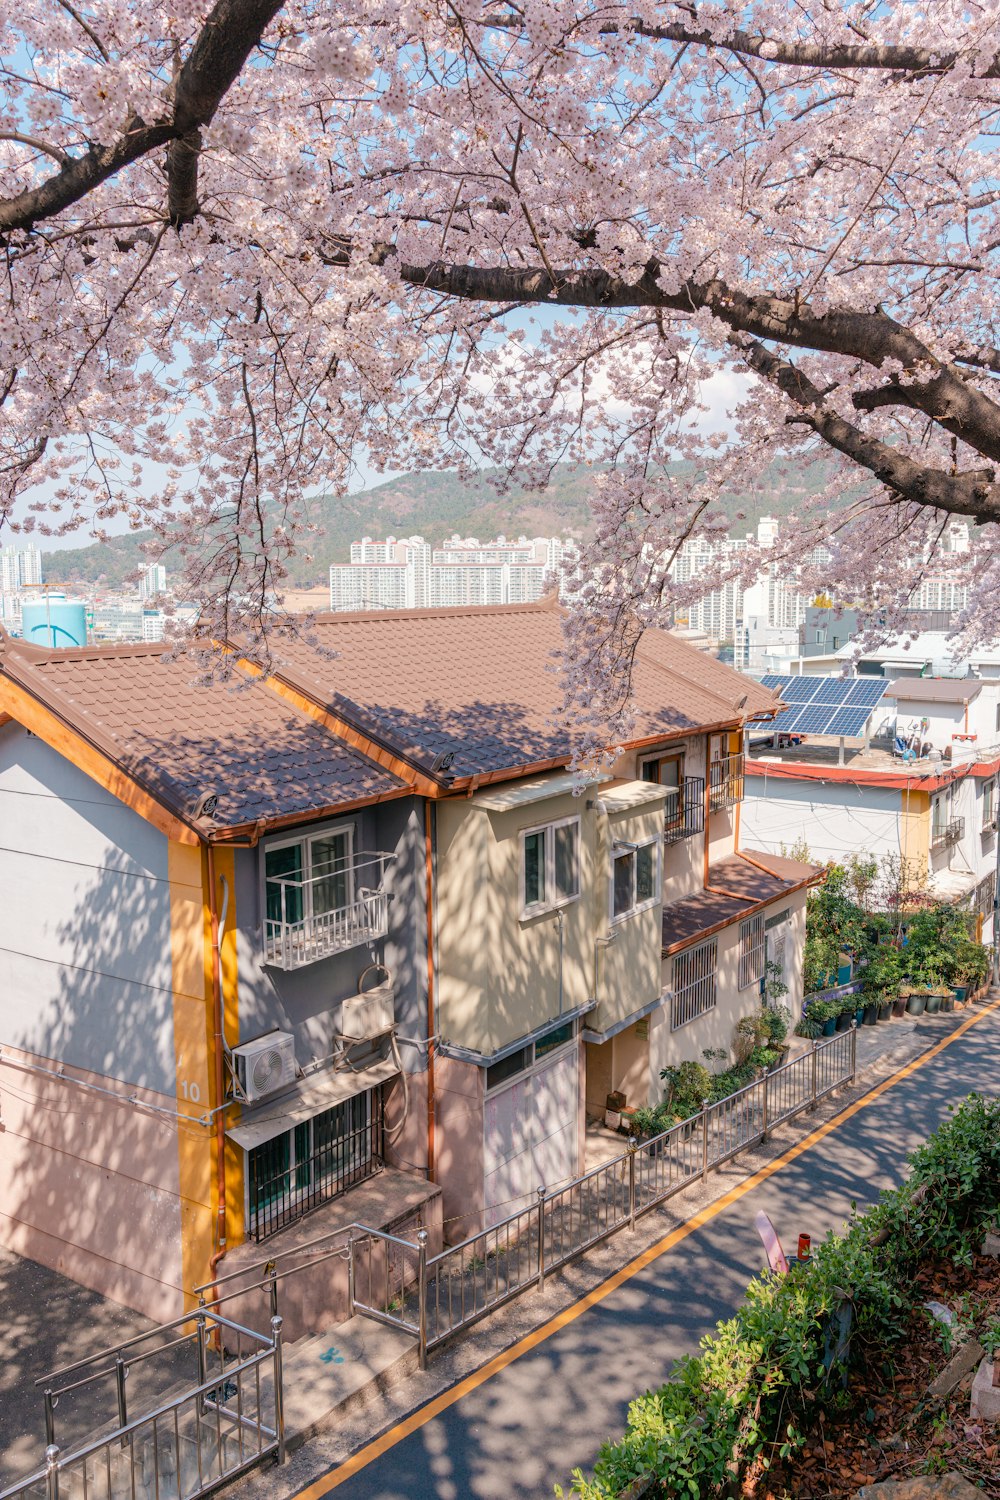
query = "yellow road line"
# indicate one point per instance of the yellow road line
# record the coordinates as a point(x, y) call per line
point(455, 1393)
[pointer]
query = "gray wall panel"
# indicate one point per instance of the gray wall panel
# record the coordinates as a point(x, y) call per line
point(306, 1001)
point(85, 970)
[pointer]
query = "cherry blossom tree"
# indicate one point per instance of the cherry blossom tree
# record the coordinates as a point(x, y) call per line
point(250, 245)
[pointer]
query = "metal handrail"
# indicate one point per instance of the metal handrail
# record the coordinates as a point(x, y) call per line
point(123, 1433)
point(262, 1266)
point(140, 1338)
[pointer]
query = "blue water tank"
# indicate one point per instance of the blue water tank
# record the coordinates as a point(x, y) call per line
point(55, 621)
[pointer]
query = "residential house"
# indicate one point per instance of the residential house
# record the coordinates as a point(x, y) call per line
point(922, 794)
point(351, 941)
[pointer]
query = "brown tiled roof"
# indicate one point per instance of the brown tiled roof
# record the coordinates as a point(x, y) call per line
point(482, 684)
point(264, 758)
point(738, 886)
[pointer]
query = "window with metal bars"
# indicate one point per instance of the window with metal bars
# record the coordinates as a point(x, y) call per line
point(313, 1162)
point(695, 990)
point(752, 950)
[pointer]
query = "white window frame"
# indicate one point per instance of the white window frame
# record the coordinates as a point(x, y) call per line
point(622, 847)
point(753, 944)
point(306, 840)
point(538, 907)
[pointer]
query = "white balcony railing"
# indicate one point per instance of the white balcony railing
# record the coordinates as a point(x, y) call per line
point(305, 920)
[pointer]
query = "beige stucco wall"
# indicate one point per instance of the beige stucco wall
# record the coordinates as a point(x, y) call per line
point(715, 1028)
point(502, 975)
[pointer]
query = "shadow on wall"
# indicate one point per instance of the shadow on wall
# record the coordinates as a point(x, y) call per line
point(91, 1182)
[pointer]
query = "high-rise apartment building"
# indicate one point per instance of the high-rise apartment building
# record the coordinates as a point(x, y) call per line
point(411, 574)
point(153, 582)
point(20, 568)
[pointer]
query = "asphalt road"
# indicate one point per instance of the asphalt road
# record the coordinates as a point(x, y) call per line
point(527, 1427)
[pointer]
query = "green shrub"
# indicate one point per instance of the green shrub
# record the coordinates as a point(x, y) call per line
point(752, 1390)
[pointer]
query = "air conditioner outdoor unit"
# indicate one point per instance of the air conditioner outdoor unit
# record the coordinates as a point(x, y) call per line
point(367, 1016)
point(265, 1065)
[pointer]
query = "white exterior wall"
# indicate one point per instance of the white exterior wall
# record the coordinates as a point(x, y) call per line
point(836, 819)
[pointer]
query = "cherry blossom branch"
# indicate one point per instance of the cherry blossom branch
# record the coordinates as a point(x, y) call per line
point(915, 61)
point(231, 31)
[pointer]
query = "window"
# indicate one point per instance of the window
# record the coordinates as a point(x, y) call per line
point(314, 1161)
point(635, 878)
point(668, 771)
point(752, 950)
point(550, 866)
point(694, 983)
point(989, 804)
point(307, 877)
point(525, 1057)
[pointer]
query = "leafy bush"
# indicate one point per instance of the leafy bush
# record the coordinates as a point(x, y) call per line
point(753, 1388)
point(688, 1086)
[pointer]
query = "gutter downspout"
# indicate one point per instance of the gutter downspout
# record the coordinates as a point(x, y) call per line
point(218, 1039)
point(429, 902)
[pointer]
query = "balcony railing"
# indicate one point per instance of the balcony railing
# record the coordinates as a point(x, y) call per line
point(685, 810)
point(310, 919)
point(945, 835)
point(725, 782)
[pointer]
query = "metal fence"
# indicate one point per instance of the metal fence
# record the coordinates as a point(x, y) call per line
point(468, 1280)
point(188, 1443)
point(433, 1297)
point(725, 782)
point(695, 983)
point(684, 810)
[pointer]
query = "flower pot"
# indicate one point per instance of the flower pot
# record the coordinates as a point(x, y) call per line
point(933, 1004)
point(948, 1001)
point(885, 1010)
point(961, 993)
point(899, 1006)
point(844, 972)
point(859, 1014)
point(870, 1014)
point(830, 1025)
point(843, 1021)
point(916, 1004)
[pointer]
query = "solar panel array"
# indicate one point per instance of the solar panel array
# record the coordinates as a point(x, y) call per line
point(826, 705)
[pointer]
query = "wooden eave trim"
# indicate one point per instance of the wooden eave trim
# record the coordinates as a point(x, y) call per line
point(741, 916)
point(17, 703)
point(258, 827)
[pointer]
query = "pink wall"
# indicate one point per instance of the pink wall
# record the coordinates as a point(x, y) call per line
point(460, 1165)
point(89, 1186)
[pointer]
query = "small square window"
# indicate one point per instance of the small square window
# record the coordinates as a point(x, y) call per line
point(550, 866)
point(635, 878)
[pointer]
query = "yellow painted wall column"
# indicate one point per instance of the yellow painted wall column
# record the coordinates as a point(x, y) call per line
point(191, 962)
point(915, 834)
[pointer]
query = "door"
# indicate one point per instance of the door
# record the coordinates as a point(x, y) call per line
point(531, 1134)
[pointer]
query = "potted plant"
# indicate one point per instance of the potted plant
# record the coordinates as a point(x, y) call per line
point(845, 1012)
point(916, 1000)
point(820, 1018)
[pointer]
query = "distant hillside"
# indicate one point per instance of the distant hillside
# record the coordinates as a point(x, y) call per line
point(432, 505)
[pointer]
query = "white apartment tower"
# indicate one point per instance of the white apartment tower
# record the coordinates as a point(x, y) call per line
point(411, 574)
point(153, 582)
